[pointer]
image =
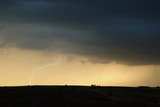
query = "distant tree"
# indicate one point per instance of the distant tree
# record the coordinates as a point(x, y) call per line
point(94, 85)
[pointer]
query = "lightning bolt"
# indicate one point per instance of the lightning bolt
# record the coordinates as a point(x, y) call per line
point(43, 67)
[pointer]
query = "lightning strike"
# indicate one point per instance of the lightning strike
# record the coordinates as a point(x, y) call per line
point(40, 68)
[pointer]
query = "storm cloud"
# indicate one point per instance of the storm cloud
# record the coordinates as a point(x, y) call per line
point(122, 31)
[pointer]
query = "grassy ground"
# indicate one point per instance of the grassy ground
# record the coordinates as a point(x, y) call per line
point(79, 96)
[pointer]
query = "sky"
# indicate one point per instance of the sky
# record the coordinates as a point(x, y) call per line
point(103, 42)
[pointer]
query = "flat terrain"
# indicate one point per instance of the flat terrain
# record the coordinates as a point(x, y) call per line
point(79, 96)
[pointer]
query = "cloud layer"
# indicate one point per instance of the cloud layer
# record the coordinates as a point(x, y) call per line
point(123, 31)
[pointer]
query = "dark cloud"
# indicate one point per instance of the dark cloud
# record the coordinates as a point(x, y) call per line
point(125, 31)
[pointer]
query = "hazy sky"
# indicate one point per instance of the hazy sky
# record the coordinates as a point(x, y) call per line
point(104, 42)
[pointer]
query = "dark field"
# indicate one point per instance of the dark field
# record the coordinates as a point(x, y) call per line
point(79, 96)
